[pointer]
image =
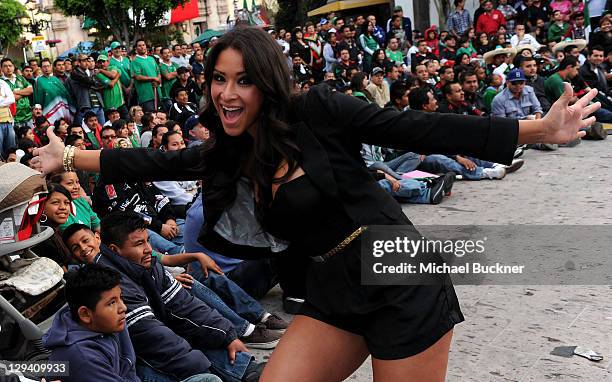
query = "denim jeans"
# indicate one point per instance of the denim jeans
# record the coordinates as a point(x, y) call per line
point(163, 245)
point(255, 277)
point(411, 191)
point(211, 299)
point(220, 367)
point(441, 163)
point(7, 137)
point(99, 113)
point(603, 115)
point(148, 374)
point(404, 163)
point(232, 295)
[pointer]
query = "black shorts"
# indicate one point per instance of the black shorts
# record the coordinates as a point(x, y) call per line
point(396, 321)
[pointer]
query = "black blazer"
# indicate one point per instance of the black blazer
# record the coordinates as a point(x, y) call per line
point(330, 128)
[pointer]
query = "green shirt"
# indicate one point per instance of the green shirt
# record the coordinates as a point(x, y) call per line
point(556, 32)
point(24, 111)
point(124, 69)
point(83, 214)
point(145, 66)
point(113, 97)
point(397, 56)
point(553, 87)
point(167, 84)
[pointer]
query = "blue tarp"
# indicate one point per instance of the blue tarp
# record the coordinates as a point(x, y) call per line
point(82, 47)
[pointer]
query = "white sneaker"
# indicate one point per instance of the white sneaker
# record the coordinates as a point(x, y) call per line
point(497, 172)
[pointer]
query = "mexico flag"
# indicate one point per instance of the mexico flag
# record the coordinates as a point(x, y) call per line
point(189, 10)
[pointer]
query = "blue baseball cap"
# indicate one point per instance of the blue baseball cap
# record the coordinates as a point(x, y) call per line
point(516, 74)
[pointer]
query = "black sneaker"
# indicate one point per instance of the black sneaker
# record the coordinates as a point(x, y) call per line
point(274, 322)
point(516, 164)
point(292, 305)
point(253, 372)
point(596, 132)
point(436, 190)
point(262, 338)
point(448, 185)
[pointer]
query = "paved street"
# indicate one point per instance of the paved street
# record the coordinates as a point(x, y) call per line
point(510, 331)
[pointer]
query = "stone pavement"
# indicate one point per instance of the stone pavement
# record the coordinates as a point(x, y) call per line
point(510, 331)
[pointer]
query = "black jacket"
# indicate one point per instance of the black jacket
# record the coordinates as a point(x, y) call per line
point(590, 77)
point(537, 83)
point(330, 128)
point(167, 325)
point(141, 197)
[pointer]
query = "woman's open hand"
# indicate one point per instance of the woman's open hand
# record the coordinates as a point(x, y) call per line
point(563, 122)
point(48, 159)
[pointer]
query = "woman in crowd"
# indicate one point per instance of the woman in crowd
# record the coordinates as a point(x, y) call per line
point(80, 210)
point(301, 47)
point(56, 212)
point(149, 121)
point(359, 81)
point(294, 165)
point(379, 59)
point(368, 44)
point(482, 44)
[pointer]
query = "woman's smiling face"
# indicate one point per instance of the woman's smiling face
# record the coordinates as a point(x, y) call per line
point(57, 208)
point(236, 98)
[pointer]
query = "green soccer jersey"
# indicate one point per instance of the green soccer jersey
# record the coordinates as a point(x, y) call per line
point(167, 84)
point(24, 111)
point(124, 69)
point(553, 87)
point(145, 66)
point(113, 97)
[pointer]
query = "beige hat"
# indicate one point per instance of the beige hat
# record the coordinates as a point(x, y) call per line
point(579, 43)
point(488, 57)
point(522, 47)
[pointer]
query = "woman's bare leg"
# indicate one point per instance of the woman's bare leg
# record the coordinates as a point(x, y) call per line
point(427, 366)
point(313, 351)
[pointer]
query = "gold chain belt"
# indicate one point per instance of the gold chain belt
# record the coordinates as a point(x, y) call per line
point(343, 244)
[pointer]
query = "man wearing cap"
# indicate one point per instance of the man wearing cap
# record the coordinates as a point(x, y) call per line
point(112, 93)
point(122, 64)
point(378, 88)
point(406, 23)
point(516, 101)
point(198, 134)
point(185, 81)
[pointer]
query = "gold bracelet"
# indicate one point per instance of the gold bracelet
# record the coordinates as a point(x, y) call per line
point(68, 158)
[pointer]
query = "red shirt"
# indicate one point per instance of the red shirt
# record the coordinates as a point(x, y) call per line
point(489, 23)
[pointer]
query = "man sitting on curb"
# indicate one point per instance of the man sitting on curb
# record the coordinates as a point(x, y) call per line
point(90, 334)
point(173, 332)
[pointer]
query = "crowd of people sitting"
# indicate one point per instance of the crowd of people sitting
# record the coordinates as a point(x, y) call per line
point(184, 312)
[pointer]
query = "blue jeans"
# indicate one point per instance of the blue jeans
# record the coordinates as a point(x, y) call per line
point(220, 366)
point(148, 374)
point(163, 245)
point(603, 115)
point(411, 191)
point(193, 224)
point(211, 299)
point(7, 137)
point(255, 277)
point(231, 294)
point(99, 113)
point(441, 163)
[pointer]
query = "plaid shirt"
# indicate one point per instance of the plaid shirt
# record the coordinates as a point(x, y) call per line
point(508, 12)
point(459, 21)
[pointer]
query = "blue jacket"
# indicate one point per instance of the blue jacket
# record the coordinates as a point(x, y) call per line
point(91, 356)
point(168, 326)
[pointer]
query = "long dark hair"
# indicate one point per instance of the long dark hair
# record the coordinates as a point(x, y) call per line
point(260, 156)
